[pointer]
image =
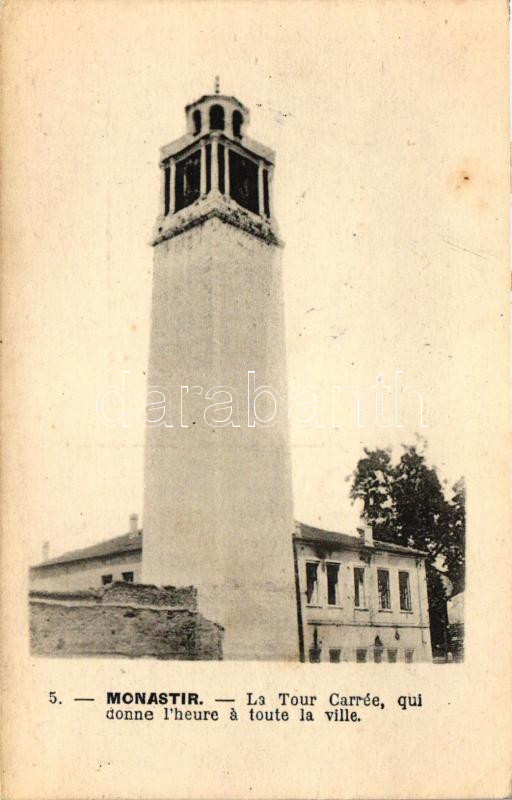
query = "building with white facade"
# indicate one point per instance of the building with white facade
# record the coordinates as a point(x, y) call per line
point(111, 561)
point(360, 599)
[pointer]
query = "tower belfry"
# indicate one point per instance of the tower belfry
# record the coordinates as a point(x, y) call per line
point(218, 499)
point(216, 169)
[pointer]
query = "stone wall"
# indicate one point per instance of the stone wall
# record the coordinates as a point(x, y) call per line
point(131, 620)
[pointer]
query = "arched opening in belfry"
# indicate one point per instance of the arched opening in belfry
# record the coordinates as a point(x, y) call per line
point(196, 118)
point(216, 118)
point(237, 123)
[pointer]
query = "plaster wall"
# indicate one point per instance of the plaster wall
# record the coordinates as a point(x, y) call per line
point(85, 573)
point(348, 628)
point(218, 501)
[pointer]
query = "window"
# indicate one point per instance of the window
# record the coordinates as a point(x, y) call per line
point(128, 577)
point(335, 655)
point(392, 656)
point(220, 157)
point(266, 201)
point(106, 579)
point(187, 180)
point(359, 598)
point(314, 655)
point(383, 587)
point(312, 582)
point(409, 656)
point(333, 594)
point(243, 181)
point(360, 656)
point(167, 189)
point(196, 117)
point(377, 655)
point(217, 118)
point(237, 123)
point(208, 167)
point(405, 591)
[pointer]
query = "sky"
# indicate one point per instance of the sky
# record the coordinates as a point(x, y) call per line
point(383, 155)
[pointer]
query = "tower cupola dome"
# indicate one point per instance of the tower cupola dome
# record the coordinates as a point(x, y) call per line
point(217, 113)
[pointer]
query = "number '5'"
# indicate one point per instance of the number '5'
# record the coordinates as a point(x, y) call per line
point(53, 697)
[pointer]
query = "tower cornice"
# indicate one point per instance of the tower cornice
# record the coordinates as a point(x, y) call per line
point(215, 205)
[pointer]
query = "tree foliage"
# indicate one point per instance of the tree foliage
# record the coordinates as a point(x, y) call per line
point(456, 546)
point(405, 504)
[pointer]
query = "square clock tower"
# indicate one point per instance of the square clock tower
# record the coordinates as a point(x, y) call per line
point(218, 496)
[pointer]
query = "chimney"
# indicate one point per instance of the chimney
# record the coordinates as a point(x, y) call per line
point(45, 551)
point(134, 523)
point(366, 536)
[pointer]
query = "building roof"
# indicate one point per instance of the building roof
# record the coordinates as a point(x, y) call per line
point(132, 542)
point(320, 536)
point(127, 543)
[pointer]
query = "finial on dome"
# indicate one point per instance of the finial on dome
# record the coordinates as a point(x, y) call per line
point(217, 84)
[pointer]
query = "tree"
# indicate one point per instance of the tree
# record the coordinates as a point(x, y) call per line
point(372, 484)
point(456, 545)
point(405, 504)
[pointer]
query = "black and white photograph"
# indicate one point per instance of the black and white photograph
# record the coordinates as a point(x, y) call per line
point(256, 358)
point(221, 567)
